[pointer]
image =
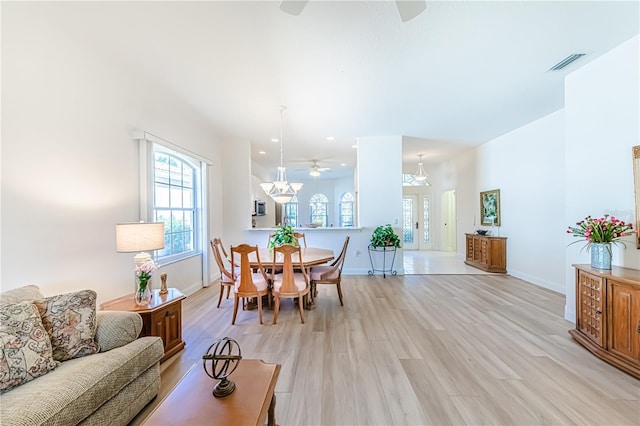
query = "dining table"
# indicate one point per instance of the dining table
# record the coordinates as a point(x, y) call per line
point(311, 256)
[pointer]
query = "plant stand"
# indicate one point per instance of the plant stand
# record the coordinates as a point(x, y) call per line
point(384, 270)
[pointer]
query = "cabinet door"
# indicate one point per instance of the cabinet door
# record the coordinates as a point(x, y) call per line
point(484, 251)
point(589, 309)
point(476, 249)
point(173, 327)
point(167, 324)
point(624, 319)
point(469, 247)
point(497, 253)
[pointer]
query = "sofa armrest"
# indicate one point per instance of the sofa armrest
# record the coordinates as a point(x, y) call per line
point(117, 328)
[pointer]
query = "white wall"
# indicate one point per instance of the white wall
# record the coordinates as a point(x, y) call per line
point(380, 190)
point(602, 112)
point(527, 165)
point(69, 162)
point(557, 170)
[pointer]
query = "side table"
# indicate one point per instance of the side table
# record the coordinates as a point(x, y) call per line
point(162, 317)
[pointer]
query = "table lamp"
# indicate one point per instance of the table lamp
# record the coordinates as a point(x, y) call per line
point(138, 237)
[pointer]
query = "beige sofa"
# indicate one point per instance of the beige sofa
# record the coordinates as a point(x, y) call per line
point(108, 387)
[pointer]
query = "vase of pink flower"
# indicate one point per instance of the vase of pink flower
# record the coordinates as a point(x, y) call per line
point(143, 273)
point(598, 235)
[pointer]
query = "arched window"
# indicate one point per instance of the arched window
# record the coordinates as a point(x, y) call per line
point(346, 209)
point(318, 209)
point(175, 184)
point(291, 212)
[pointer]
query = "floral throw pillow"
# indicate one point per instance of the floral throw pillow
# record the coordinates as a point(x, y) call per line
point(70, 320)
point(25, 347)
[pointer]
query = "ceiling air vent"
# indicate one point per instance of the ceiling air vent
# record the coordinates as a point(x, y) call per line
point(566, 61)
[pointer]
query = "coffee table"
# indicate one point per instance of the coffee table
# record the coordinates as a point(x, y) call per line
point(191, 402)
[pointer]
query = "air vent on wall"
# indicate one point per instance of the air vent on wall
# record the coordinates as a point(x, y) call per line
point(566, 61)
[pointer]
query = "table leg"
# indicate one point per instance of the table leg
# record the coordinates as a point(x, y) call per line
point(311, 301)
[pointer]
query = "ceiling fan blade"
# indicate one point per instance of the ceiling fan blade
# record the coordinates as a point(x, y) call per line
point(293, 7)
point(409, 9)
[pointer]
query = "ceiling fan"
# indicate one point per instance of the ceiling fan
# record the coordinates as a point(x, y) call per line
point(408, 9)
point(315, 170)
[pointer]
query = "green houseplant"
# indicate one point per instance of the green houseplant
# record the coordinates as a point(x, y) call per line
point(384, 236)
point(284, 235)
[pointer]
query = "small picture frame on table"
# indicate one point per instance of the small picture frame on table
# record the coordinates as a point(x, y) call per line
point(490, 208)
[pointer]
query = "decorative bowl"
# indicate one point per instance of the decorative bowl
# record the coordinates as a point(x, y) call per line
point(481, 231)
point(313, 225)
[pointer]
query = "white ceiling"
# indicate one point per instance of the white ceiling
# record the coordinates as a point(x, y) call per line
point(458, 75)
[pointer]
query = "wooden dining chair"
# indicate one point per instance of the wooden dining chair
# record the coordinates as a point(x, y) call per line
point(227, 280)
point(301, 238)
point(248, 283)
point(329, 274)
point(289, 284)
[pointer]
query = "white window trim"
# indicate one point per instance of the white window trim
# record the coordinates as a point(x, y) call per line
point(146, 141)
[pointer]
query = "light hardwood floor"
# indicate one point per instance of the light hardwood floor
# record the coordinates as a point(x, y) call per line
point(419, 350)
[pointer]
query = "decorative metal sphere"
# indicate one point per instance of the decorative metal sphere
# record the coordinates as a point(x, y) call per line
point(223, 357)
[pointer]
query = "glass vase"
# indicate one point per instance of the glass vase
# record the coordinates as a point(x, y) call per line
point(142, 295)
point(601, 255)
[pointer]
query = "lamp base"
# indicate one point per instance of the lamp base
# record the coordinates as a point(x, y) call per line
point(140, 258)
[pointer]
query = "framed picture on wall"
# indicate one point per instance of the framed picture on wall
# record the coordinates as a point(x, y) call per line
point(490, 208)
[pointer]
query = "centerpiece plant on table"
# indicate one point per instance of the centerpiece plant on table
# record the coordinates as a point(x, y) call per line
point(284, 235)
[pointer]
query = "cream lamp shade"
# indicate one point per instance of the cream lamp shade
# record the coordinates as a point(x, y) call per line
point(138, 237)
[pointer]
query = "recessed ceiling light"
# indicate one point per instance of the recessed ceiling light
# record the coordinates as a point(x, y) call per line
point(330, 138)
point(275, 140)
point(262, 152)
point(354, 146)
point(343, 164)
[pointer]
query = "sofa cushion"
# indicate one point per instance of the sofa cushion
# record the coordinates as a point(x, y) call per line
point(27, 293)
point(70, 320)
point(80, 386)
point(117, 328)
point(25, 346)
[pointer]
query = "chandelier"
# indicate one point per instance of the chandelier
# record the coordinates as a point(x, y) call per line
point(420, 175)
point(280, 190)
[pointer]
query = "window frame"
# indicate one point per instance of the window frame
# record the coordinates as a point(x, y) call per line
point(146, 142)
point(351, 202)
point(324, 202)
point(195, 210)
point(291, 205)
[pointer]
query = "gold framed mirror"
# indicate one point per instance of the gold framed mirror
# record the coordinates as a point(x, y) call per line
point(636, 187)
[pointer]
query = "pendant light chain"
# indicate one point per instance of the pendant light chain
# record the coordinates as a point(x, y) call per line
point(282, 108)
point(280, 190)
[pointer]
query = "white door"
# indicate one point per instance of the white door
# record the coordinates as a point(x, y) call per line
point(449, 220)
point(410, 234)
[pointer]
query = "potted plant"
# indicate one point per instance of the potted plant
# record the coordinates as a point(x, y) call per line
point(384, 236)
point(284, 235)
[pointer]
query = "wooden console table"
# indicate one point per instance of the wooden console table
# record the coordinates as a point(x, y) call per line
point(191, 402)
point(487, 253)
point(608, 315)
point(162, 317)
